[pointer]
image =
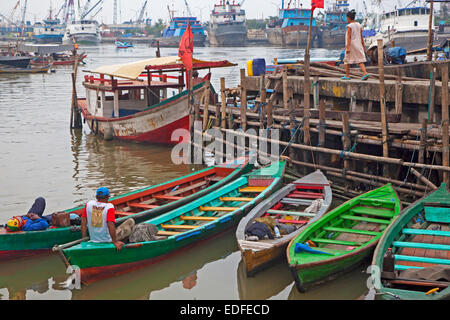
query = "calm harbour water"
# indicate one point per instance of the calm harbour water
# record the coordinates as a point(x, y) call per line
point(42, 157)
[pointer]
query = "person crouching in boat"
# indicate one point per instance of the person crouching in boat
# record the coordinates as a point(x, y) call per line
point(99, 218)
point(354, 47)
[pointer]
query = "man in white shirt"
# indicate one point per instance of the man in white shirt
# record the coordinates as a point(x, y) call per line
point(99, 218)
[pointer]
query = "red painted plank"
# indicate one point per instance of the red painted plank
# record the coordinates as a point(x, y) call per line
point(293, 221)
point(142, 206)
point(164, 197)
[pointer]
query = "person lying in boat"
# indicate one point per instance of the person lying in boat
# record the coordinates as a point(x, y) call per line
point(99, 218)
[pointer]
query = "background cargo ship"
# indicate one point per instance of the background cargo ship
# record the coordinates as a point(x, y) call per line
point(291, 27)
point(171, 35)
point(227, 26)
point(332, 32)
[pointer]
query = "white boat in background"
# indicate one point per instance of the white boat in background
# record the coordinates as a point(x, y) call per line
point(83, 31)
point(407, 27)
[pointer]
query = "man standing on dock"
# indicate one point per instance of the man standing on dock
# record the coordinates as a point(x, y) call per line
point(99, 217)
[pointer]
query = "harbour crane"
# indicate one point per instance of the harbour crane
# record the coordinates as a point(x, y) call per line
point(140, 19)
point(62, 10)
point(24, 12)
point(13, 11)
point(188, 8)
point(242, 3)
point(85, 14)
point(115, 13)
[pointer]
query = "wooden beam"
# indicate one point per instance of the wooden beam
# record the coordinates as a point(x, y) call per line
point(384, 124)
point(445, 124)
point(224, 103)
point(243, 101)
point(430, 32)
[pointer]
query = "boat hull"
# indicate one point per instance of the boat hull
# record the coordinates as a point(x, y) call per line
point(228, 35)
point(156, 125)
point(392, 234)
point(289, 37)
point(46, 39)
point(257, 259)
point(21, 244)
point(14, 62)
point(99, 261)
point(89, 39)
point(174, 42)
point(332, 38)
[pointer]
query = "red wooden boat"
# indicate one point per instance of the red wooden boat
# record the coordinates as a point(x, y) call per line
point(138, 108)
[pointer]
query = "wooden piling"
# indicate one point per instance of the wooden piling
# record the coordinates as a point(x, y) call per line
point(430, 32)
point(243, 101)
point(285, 88)
point(263, 108)
point(384, 124)
point(445, 124)
point(432, 95)
point(423, 141)
point(346, 141)
point(399, 94)
point(322, 123)
point(224, 103)
point(206, 98)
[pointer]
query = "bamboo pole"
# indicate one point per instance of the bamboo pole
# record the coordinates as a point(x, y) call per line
point(243, 101)
point(423, 141)
point(285, 88)
point(445, 124)
point(223, 102)
point(399, 94)
point(353, 155)
point(430, 32)
point(423, 179)
point(322, 123)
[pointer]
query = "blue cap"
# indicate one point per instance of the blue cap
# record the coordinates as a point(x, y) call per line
point(102, 192)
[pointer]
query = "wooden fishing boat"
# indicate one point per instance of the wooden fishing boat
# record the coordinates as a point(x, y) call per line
point(61, 60)
point(141, 205)
point(288, 207)
point(123, 45)
point(139, 109)
point(419, 239)
point(186, 226)
point(14, 70)
point(341, 239)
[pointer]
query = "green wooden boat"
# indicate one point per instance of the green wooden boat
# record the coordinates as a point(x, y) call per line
point(180, 228)
point(142, 205)
point(420, 241)
point(341, 239)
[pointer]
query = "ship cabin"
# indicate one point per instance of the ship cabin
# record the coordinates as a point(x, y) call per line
point(295, 17)
point(226, 13)
point(178, 26)
point(406, 20)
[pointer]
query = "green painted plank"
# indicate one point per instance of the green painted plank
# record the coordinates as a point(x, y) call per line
point(291, 213)
point(419, 245)
point(345, 230)
point(399, 267)
point(339, 242)
point(422, 259)
point(373, 212)
point(354, 218)
point(427, 232)
point(377, 202)
point(434, 214)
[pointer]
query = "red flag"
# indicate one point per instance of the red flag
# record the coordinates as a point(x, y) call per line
point(187, 48)
point(317, 4)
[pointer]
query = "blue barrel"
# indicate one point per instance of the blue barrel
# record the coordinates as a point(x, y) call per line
point(259, 67)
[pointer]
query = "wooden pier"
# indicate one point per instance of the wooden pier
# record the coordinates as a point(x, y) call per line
point(389, 129)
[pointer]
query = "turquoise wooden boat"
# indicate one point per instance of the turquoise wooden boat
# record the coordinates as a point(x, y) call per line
point(180, 228)
point(141, 205)
point(342, 238)
point(420, 241)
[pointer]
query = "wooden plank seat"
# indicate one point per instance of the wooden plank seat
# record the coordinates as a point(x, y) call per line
point(399, 267)
point(386, 203)
point(178, 226)
point(424, 232)
point(168, 233)
point(167, 197)
point(292, 221)
point(383, 213)
point(291, 213)
point(296, 201)
point(399, 257)
point(433, 284)
point(371, 220)
point(215, 178)
point(252, 189)
point(124, 213)
point(339, 242)
point(306, 195)
point(219, 209)
point(309, 186)
point(196, 218)
point(355, 231)
point(232, 199)
point(142, 206)
point(430, 246)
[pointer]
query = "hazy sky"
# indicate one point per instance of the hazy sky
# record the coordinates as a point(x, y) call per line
point(38, 9)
